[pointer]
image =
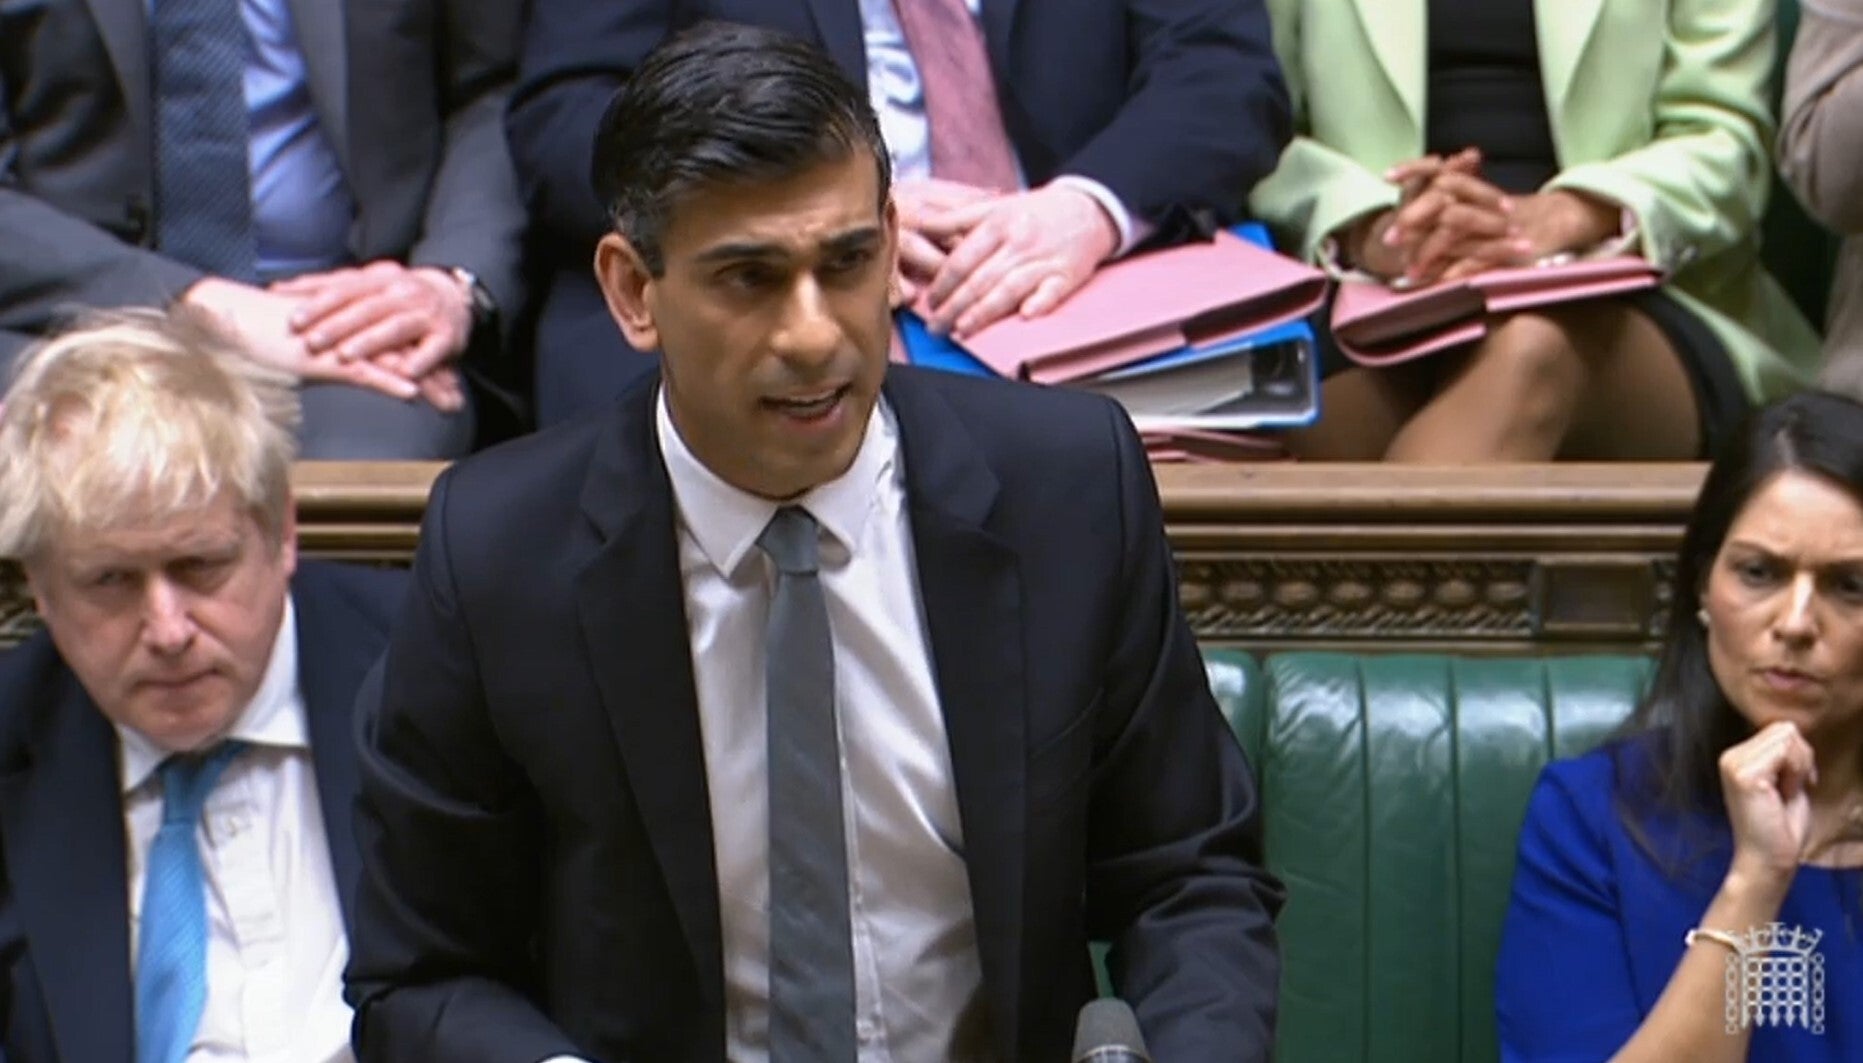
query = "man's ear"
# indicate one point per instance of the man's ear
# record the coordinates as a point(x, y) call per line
point(288, 538)
point(889, 224)
point(626, 284)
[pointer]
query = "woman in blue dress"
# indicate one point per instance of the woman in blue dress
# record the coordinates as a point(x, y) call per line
point(1693, 890)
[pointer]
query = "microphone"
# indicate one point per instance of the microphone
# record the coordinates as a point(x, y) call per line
point(1108, 1032)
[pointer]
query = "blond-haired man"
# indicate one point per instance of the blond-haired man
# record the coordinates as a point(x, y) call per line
point(175, 764)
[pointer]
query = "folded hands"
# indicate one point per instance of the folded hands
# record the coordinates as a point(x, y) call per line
point(1450, 223)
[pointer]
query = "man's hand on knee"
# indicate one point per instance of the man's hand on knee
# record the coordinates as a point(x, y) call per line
point(259, 323)
point(1023, 253)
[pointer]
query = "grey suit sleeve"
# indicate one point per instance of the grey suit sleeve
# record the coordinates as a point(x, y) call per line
point(474, 217)
point(52, 261)
point(1821, 137)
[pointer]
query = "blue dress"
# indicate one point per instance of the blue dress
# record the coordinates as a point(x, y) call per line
point(1595, 926)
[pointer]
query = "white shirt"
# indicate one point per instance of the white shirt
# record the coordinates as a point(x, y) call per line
point(898, 99)
point(917, 975)
point(275, 946)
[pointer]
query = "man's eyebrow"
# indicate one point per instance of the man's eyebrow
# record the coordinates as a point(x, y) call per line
point(853, 240)
point(735, 251)
point(731, 252)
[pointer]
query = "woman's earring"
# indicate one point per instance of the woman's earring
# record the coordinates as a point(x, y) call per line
point(1702, 616)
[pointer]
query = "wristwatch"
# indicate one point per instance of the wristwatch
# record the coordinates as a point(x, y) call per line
point(484, 307)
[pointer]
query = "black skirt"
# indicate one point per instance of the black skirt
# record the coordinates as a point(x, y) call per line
point(1720, 401)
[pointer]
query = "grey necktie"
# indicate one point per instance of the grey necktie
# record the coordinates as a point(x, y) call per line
point(203, 189)
point(811, 946)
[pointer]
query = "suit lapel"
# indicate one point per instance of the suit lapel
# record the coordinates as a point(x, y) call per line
point(319, 26)
point(631, 604)
point(998, 18)
point(972, 593)
point(1564, 29)
point(61, 821)
point(334, 653)
point(124, 27)
point(1398, 32)
point(837, 23)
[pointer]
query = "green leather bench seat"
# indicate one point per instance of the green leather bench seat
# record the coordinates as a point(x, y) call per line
point(1392, 789)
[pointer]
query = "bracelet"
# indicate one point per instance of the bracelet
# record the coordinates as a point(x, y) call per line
point(1719, 937)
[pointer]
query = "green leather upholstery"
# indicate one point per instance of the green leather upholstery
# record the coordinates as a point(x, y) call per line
point(1392, 791)
point(1235, 680)
point(1392, 788)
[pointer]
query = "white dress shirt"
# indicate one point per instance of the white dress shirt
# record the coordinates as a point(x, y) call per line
point(898, 99)
point(275, 946)
point(917, 976)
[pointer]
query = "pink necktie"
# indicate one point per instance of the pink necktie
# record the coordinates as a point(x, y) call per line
point(968, 141)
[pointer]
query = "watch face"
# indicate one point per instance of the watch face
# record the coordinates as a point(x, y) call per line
point(484, 307)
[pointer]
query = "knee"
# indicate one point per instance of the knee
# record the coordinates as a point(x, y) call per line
point(1536, 361)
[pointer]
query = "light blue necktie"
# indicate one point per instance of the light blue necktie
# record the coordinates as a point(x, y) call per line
point(171, 951)
point(203, 185)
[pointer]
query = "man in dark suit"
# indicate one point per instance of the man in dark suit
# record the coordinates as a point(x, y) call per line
point(329, 178)
point(148, 499)
point(1031, 139)
point(796, 709)
point(12, 345)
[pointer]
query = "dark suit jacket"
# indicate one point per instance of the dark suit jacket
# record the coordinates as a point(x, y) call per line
point(1177, 106)
point(409, 93)
point(12, 345)
point(65, 987)
point(534, 818)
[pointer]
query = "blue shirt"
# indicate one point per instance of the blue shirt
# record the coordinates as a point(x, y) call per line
point(1595, 927)
point(301, 204)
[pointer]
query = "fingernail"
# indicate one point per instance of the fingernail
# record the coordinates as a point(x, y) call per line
point(1390, 236)
point(1507, 205)
point(297, 320)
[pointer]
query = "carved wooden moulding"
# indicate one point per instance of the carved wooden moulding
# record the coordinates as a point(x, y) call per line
point(1253, 598)
point(1357, 557)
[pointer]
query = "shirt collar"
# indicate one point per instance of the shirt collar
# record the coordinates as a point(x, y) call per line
point(725, 521)
point(274, 717)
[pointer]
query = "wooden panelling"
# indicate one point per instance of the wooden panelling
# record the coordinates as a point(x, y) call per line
point(1554, 557)
point(1551, 557)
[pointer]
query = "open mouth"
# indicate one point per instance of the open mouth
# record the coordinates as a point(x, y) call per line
point(808, 407)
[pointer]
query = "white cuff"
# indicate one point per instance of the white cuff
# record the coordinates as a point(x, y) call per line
point(1132, 231)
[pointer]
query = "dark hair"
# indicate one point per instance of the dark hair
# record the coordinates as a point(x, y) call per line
point(1685, 710)
point(723, 103)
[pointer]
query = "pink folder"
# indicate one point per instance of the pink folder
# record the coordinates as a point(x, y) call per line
point(1377, 325)
point(1152, 303)
point(1202, 445)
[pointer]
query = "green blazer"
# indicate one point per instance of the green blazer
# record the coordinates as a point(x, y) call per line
point(1694, 167)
